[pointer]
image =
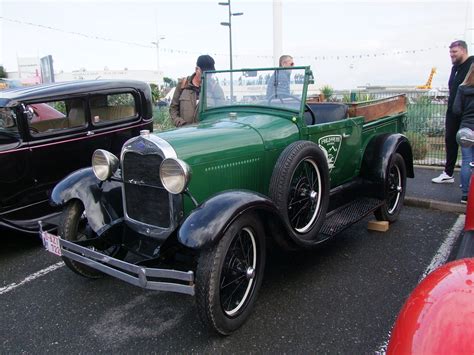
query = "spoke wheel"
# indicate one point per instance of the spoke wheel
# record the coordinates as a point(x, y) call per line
point(394, 188)
point(395, 185)
point(238, 272)
point(229, 275)
point(304, 199)
point(74, 227)
point(300, 189)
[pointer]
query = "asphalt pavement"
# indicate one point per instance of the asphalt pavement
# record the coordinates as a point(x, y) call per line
point(340, 298)
point(421, 192)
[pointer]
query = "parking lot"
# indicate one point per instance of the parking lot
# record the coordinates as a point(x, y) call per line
point(340, 298)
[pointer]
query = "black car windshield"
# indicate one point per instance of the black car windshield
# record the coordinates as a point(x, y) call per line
point(276, 87)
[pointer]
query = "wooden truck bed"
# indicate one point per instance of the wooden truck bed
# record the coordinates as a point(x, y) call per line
point(371, 110)
point(375, 109)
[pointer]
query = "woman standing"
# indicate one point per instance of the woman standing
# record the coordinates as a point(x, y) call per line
point(464, 107)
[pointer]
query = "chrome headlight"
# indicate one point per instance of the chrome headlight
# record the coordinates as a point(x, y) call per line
point(175, 175)
point(104, 164)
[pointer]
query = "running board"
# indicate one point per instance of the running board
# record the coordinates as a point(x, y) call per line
point(346, 215)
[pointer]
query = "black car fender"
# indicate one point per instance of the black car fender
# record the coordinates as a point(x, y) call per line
point(102, 200)
point(377, 157)
point(208, 222)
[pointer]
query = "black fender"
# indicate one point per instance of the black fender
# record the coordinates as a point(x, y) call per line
point(208, 222)
point(102, 200)
point(377, 158)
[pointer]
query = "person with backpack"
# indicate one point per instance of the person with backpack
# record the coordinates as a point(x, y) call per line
point(184, 105)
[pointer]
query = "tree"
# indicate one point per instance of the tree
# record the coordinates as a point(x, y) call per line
point(155, 92)
point(3, 72)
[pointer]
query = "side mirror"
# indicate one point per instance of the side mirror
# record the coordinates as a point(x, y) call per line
point(465, 137)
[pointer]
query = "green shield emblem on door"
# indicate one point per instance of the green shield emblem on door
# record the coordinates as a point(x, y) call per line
point(331, 145)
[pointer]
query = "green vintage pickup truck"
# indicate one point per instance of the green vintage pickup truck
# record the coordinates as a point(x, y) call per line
point(195, 209)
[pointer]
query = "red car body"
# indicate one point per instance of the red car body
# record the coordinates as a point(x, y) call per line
point(438, 316)
point(43, 112)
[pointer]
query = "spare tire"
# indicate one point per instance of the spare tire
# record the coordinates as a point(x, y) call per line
point(300, 189)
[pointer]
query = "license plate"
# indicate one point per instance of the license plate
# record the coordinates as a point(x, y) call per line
point(51, 243)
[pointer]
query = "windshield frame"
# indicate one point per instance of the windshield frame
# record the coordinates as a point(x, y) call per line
point(204, 108)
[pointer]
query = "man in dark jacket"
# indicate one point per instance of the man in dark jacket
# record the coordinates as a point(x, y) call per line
point(461, 63)
point(184, 105)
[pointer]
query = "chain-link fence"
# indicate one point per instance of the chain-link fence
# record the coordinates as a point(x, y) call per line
point(424, 125)
point(425, 128)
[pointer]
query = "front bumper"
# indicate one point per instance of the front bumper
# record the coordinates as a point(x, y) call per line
point(144, 277)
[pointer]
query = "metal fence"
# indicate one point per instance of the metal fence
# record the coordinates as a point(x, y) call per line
point(424, 125)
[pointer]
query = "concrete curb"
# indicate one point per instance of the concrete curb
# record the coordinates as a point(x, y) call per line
point(436, 205)
point(433, 167)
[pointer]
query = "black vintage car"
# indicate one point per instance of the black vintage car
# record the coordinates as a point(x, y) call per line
point(49, 131)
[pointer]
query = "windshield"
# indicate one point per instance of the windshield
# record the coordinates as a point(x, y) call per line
point(276, 87)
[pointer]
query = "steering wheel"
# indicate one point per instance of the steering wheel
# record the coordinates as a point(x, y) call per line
point(307, 108)
point(283, 96)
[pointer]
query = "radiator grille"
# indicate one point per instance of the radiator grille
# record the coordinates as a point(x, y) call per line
point(142, 168)
point(146, 200)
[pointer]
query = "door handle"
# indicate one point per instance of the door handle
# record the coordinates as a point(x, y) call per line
point(89, 133)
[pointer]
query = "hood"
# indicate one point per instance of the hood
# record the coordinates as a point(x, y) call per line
point(247, 135)
point(206, 142)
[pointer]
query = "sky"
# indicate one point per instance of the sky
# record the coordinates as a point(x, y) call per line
point(347, 43)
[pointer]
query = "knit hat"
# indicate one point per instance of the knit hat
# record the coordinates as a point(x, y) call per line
point(205, 62)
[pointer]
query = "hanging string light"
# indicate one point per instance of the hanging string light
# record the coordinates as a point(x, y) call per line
point(217, 54)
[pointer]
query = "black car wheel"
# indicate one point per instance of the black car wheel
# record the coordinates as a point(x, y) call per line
point(74, 227)
point(229, 275)
point(300, 189)
point(395, 185)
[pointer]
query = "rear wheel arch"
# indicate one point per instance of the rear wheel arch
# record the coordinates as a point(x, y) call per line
point(404, 149)
point(376, 159)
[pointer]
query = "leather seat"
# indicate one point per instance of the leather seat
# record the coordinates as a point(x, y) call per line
point(112, 113)
point(76, 115)
point(327, 112)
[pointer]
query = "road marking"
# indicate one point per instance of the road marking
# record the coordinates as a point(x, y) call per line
point(445, 249)
point(438, 259)
point(31, 277)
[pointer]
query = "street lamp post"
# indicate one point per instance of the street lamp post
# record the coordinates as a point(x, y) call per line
point(157, 45)
point(229, 24)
